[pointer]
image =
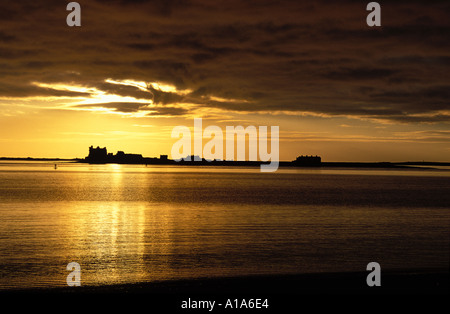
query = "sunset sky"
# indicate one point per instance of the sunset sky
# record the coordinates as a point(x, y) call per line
point(136, 69)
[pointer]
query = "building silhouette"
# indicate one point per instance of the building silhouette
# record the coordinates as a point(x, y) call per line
point(97, 155)
point(101, 156)
point(308, 161)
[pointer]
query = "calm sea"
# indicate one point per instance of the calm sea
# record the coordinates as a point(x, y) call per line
point(131, 223)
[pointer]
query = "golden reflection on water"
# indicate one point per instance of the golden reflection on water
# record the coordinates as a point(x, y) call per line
point(119, 241)
point(126, 224)
point(106, 238)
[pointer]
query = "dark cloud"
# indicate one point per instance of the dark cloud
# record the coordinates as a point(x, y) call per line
point(122, 90)
point(131, 107)
point(115, 106)
point(417, 100)
point(416, 119)
point(160, 97)
point(360, 74)
point(167, 111)
point(8, 90)
point(5, 38)
point(295, 56)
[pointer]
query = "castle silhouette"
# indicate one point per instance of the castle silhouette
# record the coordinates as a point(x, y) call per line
point(101, 156)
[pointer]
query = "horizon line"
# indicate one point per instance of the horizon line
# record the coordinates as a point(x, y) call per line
point(362, 162)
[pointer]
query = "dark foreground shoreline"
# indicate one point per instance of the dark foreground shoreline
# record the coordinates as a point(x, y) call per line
point(392, 282)
point(400, 291)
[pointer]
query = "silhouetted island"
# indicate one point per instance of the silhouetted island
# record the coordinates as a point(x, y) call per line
point(101, 156)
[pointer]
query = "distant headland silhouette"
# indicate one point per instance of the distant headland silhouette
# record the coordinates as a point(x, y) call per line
point(101, 156)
